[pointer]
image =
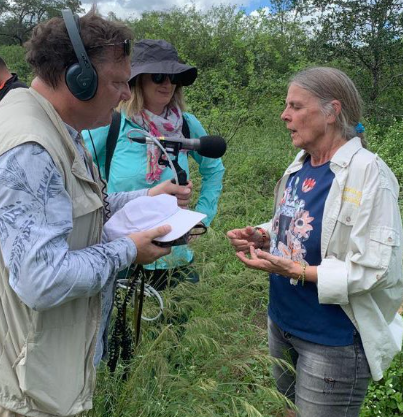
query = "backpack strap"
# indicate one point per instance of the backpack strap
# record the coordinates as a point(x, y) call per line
point(185, 128)
point(111, 141)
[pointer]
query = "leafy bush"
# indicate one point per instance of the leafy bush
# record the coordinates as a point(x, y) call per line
point(385, 398)
point(387, 142)
point(14, 56)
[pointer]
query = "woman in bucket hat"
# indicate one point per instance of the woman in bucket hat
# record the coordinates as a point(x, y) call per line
point(157, 107)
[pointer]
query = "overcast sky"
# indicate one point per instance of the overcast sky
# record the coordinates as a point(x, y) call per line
point(134, 8)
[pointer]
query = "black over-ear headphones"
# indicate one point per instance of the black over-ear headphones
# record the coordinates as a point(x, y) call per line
point(81, 78)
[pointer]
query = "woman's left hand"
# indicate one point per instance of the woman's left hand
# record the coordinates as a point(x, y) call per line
point(262, 260)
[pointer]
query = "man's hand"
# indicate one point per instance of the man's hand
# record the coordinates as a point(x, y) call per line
point(181, 192)
point(147, 251)
point(243, 239)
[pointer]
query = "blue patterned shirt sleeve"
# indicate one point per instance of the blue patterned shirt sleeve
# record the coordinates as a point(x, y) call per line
point(35, 221)
point(118, 200)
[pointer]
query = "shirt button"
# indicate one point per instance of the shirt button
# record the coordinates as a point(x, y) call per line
point(344, 164)
point(390, 239)
point(378, 277)
point(348, 219)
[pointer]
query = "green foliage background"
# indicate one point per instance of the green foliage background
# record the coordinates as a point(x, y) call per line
point(208, 355)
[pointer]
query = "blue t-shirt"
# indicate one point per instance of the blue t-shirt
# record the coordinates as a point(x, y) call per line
point(296, 235)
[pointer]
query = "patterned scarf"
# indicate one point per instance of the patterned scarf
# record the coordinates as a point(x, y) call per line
point(168, 124)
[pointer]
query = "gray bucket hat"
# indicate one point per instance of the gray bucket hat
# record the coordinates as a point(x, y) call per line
point(152, 56)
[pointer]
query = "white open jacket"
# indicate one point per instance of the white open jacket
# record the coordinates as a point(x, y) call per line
point(361, 268)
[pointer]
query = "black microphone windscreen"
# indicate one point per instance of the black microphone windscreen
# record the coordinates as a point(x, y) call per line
point(212, 146)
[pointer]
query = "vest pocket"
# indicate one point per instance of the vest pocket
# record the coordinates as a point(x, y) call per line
point(87, 220)
point(86, 203)
point(49, 369)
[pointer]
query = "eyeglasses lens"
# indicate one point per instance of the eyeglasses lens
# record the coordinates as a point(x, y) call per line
point(160, 78)
point(127, 47)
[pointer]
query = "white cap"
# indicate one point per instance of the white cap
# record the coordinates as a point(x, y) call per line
point(145, 213)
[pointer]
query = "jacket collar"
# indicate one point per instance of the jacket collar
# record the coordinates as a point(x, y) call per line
point(345, 154)
point(341, 158)
point(13, 78)
point(10, 80)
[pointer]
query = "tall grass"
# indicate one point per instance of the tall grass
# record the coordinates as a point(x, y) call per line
point(207, 356)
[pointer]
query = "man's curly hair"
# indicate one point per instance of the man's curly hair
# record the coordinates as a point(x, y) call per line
point(50, 51)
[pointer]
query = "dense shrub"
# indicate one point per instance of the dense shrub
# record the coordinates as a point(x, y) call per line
point(388, 143)
point(385, 398)
point(14, 56)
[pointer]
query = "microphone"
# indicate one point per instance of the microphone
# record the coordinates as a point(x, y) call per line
point(209, 146)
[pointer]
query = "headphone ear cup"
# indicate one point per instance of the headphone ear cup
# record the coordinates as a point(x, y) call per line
point(83, 85)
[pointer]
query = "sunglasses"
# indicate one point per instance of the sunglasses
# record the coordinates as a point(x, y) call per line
point(126, 44)
point(160, 78)
point(199, 229)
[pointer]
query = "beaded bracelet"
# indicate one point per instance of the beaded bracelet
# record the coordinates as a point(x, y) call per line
point(294, 281)
point(302, 276)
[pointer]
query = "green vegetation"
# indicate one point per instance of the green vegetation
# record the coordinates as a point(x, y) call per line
point(385, 398)
point(208, 355)
point(19, 17)
point(14, 56)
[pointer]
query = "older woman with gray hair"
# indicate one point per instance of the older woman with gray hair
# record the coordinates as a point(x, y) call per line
point(333, 251)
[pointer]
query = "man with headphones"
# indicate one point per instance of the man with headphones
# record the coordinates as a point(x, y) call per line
point(57, 275)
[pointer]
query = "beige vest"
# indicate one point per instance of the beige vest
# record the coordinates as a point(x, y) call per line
point(46, 358)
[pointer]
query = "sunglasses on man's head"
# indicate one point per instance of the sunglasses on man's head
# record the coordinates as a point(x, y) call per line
point(127, 46)
point(160, 78)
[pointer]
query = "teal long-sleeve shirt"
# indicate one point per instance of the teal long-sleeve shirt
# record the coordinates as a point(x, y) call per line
point(128, 173)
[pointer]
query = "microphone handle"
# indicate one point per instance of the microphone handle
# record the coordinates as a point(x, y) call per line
point(181, 178)
point(190, 144)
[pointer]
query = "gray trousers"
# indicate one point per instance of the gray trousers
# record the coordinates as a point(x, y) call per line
point(328, 381)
